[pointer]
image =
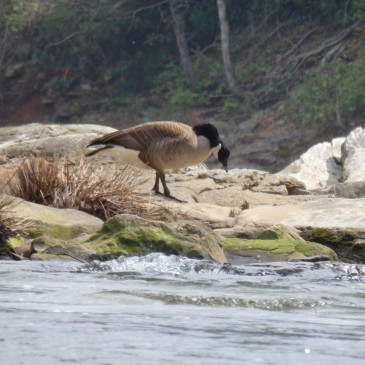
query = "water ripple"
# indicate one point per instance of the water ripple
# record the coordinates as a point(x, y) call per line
point(157, 263)
point(218, 301)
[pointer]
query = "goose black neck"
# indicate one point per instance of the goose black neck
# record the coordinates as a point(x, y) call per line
point(208, 131)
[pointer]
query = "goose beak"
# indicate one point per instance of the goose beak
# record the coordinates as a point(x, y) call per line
point(225, 165)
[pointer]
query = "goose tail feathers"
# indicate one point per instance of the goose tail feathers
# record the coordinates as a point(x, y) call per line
point(92, 153)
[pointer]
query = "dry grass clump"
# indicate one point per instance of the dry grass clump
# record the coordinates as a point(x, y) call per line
point(81, 186)
point(37, 180)
point(9, 226)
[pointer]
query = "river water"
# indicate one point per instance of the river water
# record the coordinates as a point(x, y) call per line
point(167, 310)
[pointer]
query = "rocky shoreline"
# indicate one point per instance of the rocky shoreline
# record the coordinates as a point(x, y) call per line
point(311, 210)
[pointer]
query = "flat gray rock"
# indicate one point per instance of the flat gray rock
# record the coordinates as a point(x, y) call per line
point(333, 213)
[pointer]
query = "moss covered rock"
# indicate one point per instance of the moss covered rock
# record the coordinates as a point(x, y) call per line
point(281, 231)
point(344, 243)
point(328, 236)
point(48, 247)
point(58, 223)
point(242, 251)
point(130, 235)
point(203, 237)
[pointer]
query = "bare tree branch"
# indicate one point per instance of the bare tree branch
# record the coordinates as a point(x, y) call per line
point(135, 12)
point(227, 62)
point(298, 60)
point(336, 49)
point(66, 39)
point(338, 111)
point(120, 4)
point(298, 44)
point(3, 46)
point(182, 44)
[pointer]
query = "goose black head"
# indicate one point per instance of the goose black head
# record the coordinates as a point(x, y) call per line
point(220, 150)
point(223, 155)
point(208, 131)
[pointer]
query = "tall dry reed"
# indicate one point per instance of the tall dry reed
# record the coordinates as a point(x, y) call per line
point(9, 226)
point(81, 186)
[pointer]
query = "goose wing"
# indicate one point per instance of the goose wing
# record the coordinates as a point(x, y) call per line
point(120, 138)
point(142, 136)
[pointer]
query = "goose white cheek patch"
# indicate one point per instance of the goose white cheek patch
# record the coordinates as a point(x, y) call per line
point(215, 150)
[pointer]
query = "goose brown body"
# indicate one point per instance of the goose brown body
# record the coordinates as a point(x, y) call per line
point(160, 146)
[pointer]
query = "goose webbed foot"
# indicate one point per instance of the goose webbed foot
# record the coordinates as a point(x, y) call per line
point(168, 196)
point(166, 191)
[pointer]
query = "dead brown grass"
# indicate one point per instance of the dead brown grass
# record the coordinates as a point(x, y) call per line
point(9, 226)
point(37, 180)
point(81, 186)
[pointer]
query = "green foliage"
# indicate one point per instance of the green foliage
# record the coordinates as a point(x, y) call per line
point(92, 39)
point(128, 49)
point(233, 106)
point(334, 91)
point(184, 98)
point(294, 10)
point(358, 9)
point(19, 14)
point(181, 96)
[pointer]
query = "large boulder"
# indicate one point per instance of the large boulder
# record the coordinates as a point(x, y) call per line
point(329, 163)
point(130, 235)
point(353, 156)
point(17, 142)
point(345, 243)
point(278, 243)
point(58, 223)
point(318, 167)
point(332, 213)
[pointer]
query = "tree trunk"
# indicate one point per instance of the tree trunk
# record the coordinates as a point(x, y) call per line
point(227, 63)
point(182, 44)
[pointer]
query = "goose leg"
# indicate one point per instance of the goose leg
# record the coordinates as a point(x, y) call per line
point(156, 187)
point(166, 191)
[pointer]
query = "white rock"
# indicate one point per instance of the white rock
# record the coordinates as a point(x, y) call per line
point(353, 156)
point(336, 148)
point(316, 168)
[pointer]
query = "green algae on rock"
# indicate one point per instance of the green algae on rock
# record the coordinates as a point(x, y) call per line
point(263, 250)
point(344, 243)
point(131, 235)
point(328, 236)
point(58, 223)
point(281, 231)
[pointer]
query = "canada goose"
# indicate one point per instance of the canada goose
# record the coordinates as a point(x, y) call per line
point(165, 145)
